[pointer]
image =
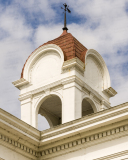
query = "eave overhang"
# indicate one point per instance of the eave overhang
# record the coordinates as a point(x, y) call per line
point(87, 131)
point(19, 83)
point(110, 92)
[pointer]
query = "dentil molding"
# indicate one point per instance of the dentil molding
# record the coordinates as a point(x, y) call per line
point(86, 141)
point(64, 148)
point(115, 155)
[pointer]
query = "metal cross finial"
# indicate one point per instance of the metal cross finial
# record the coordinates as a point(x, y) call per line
point(66, 8)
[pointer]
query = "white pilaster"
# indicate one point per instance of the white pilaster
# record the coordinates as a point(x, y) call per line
point(26, 110)
point(72, 102)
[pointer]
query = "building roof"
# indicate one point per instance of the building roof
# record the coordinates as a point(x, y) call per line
point(94, 129)
point(70, 46)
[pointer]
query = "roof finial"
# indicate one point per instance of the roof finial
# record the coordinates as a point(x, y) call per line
point(66, 8)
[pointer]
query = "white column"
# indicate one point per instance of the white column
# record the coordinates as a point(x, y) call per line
point(72, 104)
point(26, 111)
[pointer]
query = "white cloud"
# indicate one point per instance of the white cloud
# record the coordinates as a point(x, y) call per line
point(46, 33)
point(15, 47)
point(41, 10)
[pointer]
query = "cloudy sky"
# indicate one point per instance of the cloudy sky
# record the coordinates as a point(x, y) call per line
point(24, 25)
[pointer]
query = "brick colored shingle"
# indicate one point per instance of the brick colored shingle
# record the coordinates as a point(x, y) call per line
point(70, 46)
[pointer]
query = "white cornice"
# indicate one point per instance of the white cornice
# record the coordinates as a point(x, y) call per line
point(110, 91)
point(86, 123)
point(10, 122)
point(18, 147)
point(71, 146)
point(84, 142)
point(113, 156)
point(61, 83)
point(74, 63)
point(83, 132)
point(19, 83)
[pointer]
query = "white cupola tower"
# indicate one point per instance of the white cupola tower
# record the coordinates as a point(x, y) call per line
point(62, 80)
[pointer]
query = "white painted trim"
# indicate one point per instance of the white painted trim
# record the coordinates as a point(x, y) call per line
point(41, 100)
point(18, 147)
point(110, 91)
point(115, 155)
point(63, 82)
point(74, 63)
point(38, 53)
point(83, 132)
point(19, 83)
point(98, 57)
point(93, 104)
point(85, 142)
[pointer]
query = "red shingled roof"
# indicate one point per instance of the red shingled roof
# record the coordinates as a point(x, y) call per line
point(70, 46)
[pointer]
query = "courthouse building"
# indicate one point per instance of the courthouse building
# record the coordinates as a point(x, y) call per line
point(70, 86)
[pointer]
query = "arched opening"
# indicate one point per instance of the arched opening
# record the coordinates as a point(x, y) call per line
point(87, 107)
point(51, 109)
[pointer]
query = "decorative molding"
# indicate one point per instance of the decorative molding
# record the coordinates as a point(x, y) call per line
point(106, 76)
point(102, 107)
point(29, 96)
point(110, 91)
point(16, 124)
point(74, 64)
point(112, 156)
point(85, 91)
point(96, 94)
point(47, 91)
point(28, 152)
point(81, 141)
point(43, 151)
point(96, 100)
point(37, 54)
point(79, 124)
point(40, 89)
point(19, 83)
point(86, 88)
point(8, 142)
point(118, 107)
point(56, 88)
point(91, 95)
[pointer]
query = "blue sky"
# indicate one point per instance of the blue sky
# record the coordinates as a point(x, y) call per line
point(24, 25)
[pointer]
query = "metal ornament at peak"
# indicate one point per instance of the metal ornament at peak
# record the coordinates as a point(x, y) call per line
point(66, 9)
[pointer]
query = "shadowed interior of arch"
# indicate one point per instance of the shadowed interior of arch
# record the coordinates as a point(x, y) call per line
point(86, 108)
point(51, 109)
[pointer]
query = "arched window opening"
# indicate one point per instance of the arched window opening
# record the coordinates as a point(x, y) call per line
point(42, 123)
point(51, 109)
point(86, 108)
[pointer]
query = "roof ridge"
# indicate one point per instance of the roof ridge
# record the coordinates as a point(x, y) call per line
point(80, 43)
point(74, 45)
point(58, 37)
point(77, 48)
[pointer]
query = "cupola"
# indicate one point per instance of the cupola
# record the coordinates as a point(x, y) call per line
point(62, 80)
